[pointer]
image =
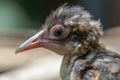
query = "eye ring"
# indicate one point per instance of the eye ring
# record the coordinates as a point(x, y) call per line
point(58, 32)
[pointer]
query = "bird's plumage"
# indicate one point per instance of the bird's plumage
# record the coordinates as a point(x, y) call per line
point(71, 32)
point(101, 65)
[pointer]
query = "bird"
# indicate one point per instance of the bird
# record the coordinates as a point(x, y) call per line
point(71, 31)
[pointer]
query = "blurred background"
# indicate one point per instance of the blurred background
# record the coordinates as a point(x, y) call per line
point(20, 19)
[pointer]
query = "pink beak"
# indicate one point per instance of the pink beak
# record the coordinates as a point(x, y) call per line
point(38, 40)
point(34, 42)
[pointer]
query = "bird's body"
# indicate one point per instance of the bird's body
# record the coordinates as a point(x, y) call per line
point(71, 32)
point(101, 65)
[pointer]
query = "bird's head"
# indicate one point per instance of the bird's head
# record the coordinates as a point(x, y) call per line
point(68, 30)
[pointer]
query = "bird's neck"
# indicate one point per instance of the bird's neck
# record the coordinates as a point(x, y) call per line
point(66, 67)
point(69, 60)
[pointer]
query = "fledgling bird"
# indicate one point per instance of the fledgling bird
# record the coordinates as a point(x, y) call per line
point(71, 32)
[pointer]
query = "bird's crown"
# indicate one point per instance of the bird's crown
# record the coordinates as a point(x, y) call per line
point(76, 21)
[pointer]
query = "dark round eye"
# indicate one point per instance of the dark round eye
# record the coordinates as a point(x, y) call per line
point(58, 32)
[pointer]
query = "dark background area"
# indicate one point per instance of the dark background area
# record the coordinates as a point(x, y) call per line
point(105, 10)
point(31, 14)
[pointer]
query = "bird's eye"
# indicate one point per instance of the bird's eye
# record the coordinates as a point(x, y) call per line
point(58, 32)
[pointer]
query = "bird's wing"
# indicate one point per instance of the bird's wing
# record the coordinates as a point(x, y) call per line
point(104, 66)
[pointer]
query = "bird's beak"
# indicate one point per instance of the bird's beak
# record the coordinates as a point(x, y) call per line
point(34, 42)
point(38, 40)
